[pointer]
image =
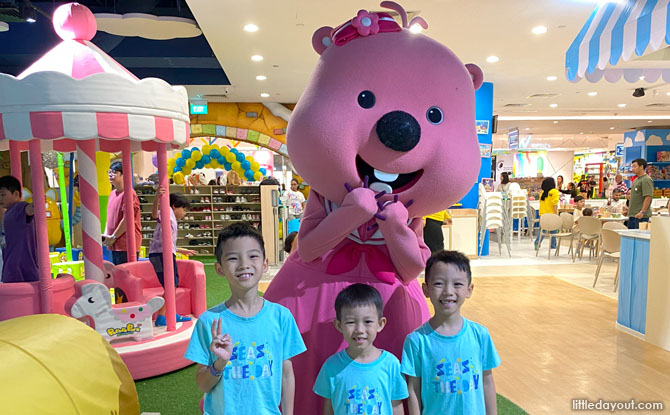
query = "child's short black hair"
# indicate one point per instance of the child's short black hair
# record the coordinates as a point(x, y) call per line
point(456, 258)
point(288, 242)
point(116, 166)
point(11, 183)
point(178, 200)
point(237, 230)
point(578, 198)
point(357, 295)
point(587, 212)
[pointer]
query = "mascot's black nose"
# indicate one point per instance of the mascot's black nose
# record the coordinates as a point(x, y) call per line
point(399, 131)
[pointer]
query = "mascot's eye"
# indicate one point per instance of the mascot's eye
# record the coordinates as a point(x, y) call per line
point(366, 99)
point(434, 115)
point(90, 300)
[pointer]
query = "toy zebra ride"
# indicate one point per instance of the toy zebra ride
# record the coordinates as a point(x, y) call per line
point(126, 320)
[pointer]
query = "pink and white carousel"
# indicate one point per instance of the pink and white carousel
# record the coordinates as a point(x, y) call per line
point(77, 98)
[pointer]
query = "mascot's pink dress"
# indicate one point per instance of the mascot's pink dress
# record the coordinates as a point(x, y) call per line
point(384, 134)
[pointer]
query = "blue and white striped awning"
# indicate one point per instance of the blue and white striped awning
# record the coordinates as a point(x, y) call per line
point(616, 30)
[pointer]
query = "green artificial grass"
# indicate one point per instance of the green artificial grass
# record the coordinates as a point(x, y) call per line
point(177, 394)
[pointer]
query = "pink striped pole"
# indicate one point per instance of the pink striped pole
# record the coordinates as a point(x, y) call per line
point(15, 160)
point(40, 218)
point(90, 211)
point(129, 201)
point(166, 234)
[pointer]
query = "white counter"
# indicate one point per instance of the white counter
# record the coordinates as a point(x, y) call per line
point(633, 233)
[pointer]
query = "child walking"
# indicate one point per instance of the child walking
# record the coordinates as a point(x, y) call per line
point(243, 346)
point(20, 250)
point(448, 360)
point(178, 204)
point(361, 379)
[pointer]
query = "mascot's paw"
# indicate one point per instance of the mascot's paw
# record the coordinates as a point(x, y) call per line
point(393, 212)
point(362, 198)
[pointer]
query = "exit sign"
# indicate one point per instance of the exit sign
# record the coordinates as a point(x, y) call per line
point(198, 109)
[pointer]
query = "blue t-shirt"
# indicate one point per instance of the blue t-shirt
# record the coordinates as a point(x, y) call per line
point(361, 388)
point(450, 367)
point(251, 381)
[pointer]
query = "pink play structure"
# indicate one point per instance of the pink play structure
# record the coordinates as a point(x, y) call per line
point(77, 98)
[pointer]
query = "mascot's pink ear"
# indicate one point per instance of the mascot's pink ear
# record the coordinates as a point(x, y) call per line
point(476, 74)
point(321, 39)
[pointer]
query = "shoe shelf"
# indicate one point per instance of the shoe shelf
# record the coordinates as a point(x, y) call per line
point(212, 208)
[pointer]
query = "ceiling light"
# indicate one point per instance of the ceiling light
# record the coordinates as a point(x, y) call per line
point(611, 128)
point(581, 133)
point(527, 129)
point(257, 58)
point(650, 121)
point(642, 78)
point(553, 105)
point(250, 28)
point(552, 78)
point(539, 30)
point(555, 122)
point(492, 59)
point(592, 94)
point(621, 105)
point(263, 78)
point(265, 94)
point(667, 93)
point(415, 28)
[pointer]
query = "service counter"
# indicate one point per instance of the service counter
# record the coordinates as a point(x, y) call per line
point(644, 283)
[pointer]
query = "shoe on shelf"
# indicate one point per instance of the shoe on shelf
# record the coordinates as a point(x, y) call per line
point(160, 321)
point(188, 235)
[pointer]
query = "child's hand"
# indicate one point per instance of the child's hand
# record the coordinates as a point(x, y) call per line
point(221, 345)
point(161, 191)
point(30, 209)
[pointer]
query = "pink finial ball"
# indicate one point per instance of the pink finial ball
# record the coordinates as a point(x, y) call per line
point(74, 21)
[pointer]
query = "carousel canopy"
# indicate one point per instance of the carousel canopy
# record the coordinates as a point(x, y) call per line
point(622, 30)
point(77, 92)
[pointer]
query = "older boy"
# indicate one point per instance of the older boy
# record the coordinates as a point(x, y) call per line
point(243, 346)
point(20, 253)
point(448, 360)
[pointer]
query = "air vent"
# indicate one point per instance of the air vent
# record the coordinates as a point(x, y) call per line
point(543, 95)
point(516, 105)
point(10, 13)
point(215, 97)
point(657, 105)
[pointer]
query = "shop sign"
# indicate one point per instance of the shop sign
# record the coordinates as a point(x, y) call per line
point(619, 150)
point(198, 109)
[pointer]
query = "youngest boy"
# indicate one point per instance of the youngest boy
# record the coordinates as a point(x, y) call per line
point(243, 346)
point(448, 360)
point(361, 379)
point(20, 251)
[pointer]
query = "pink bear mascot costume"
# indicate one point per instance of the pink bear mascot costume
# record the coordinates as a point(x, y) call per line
point(384, 134)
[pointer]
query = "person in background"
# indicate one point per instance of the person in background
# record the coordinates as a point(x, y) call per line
point(291, 242)
point(20, 250)
point(642, 190)
point(571, 190)
point(432, 230)
point(504, 183)
point(295, 201)
point(616, 204)
point(559, 183)
point(583, 185)
point(587, 212)
point(579, 206)
point(619, 183)
point(592, 187)
point(178, 204)
point(116, 237)
point(606, 187)
point(548, 204)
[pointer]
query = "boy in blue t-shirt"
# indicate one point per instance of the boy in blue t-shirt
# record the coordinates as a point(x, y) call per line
point(361, 379)
point(448, 360)
point(243, 346)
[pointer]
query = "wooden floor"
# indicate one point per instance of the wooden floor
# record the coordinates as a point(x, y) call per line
point(558, 342)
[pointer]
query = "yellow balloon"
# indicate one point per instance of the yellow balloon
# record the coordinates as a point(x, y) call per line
point(214, 146)
point(186, 170)
point(255, 166)
point(178, 177)
point(206, 148)
point(177, 155)
point(249, 159)
point(258, 176)
point(190, 163)
point(213, 163)
point(237, 166)
point(196, 155)
point(230, 157)
point(171, 163)
point(224, 150)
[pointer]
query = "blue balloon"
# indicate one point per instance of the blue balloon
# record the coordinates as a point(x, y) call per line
point(249, 174)
point(198, 164)
point(205, 159)
point(194, 149)
point(245, 164)
point(234, 150)
point(214, 153)
point(185, 154)
point(176, 169)
point(227, 166)
point(222, 160)
point(239, 157)
point(181, 162)
point(263, 171)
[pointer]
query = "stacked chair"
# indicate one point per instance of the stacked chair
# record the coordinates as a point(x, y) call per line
point(492, 216)
point(519, 211)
